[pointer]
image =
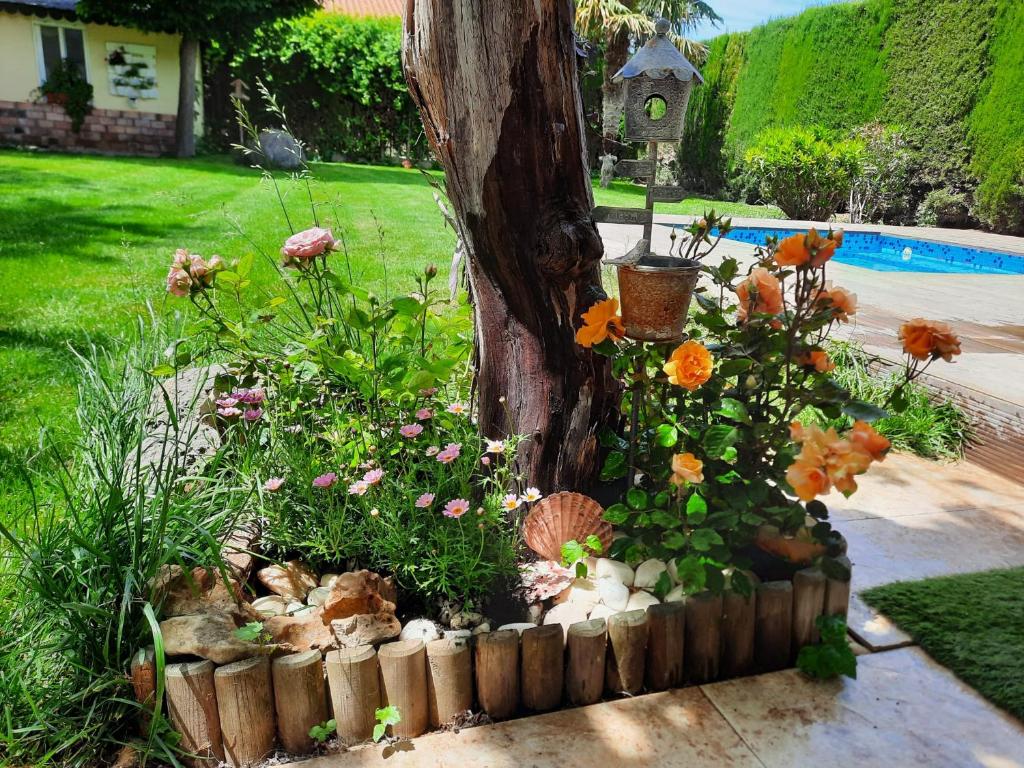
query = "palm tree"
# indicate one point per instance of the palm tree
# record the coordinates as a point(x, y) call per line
point(619, 24)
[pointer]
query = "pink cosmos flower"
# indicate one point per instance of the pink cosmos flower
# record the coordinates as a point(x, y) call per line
point(253, 414)
point(457, 408)
point(249, 396)
point(424, 413)
point(359, 488)
point(410, 430)
point(178, 282)
point(433, 450)
point(273, 484)
point(485, 460)
point(425, 500)
point(303, 246)
point(229, 413)
point(496, 446)
point(373, 477)
point(456, 508)
point(428, 392)
point(325, 481)
point(450, 453)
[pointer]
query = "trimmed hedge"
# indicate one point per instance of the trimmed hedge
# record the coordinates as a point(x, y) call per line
point(948, 73)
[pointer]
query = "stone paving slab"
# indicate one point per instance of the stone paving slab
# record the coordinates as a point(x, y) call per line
point(902, 710)
point(873, 630)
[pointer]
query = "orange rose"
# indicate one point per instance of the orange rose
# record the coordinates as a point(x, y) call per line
point(928, 339)
point(840, 301)
point(689, 366)
point(827, 460)
point(808, 480)
point(844, 462)
point(811, 249)
point(868, 440)
point(600, 322)
point(760, 293)
point(792, 252)
point(823, 248)
point(818, 360)
point(687, 468)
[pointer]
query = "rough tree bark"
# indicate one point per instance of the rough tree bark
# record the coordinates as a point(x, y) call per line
point(613, 95)
point(185, 123)
point(496, 86)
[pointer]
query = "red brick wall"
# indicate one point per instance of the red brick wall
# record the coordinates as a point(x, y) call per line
point(105, 131)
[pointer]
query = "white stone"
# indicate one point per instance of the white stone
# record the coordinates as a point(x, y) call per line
point(613, 594)
point(466, 620)
point(420, 629)
point(639, 601)
point(584, 593)
point(536, 613)
point(675, 596)
point(602, 612)
point(566, 614)
point(458, 635)
point(672, 573)
point(328, 579)
point(294, 606)
point(482, 629)
point(318, 596)
point(519, 626)
point(303, 610)
point(613, 569)
point(271, 605)
point(648, 573)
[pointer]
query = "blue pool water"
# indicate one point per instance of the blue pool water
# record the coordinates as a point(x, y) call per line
point(885, 253)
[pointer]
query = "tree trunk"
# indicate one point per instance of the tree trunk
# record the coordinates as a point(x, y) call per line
point(184, 126)
point(613, 95)
point(496, 86)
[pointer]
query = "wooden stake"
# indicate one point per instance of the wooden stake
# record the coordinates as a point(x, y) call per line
point(808, 604)
point(628, 633)
point(542, 667)
point(497, 672)
point(774, 625)
point(143, 671)
point(299, 699)
point(584, 673)
point(192, 708)
point(665, 643)
point(739, 616)
point(355, 692)
point(245, 701)
point(403, 675)
point(837, 593)
point(449, 680)
point(703, 637)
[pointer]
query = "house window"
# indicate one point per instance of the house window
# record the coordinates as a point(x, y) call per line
point(56, 43)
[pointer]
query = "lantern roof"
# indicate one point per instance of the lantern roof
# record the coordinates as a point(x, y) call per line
point(658, 58)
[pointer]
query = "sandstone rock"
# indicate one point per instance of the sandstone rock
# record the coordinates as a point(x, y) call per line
point(420, 629)
point(318, 596)
point(584, 593)
point(602, 611)
point(613, 593)
point(209, 636)
point(675, 596)
point(648, 573)
point(203, 590)
point(271, 605)
point(566, 614)
point(302, 610)
point(518, 626)
point(482, 629)
point(640, 601)
point(328, 579)
point(366, 629)
point(292, 580)
point(613, 569)
point(238, 547)
point(358, 593)
point(301, 633)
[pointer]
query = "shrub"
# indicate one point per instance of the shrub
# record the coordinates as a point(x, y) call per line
point(66, 85)
point(881, 191)
point(804, 172)
point(943, 208)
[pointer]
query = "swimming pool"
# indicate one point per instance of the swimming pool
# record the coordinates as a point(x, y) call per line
point(885, 253)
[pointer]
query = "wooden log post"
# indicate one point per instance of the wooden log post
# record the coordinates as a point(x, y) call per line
point(665, 644)
point(192, 708)
point(497, 672)
point(143, 673)
point(403, 675)
point(354, 683)
point(449, 680)
point(703, 637)
point(245, 701)
point(299, 699)
point(739, 617)
point(774, 625)
point(837, 593)
point(627, 633)
point(586, 649)
point(808, 604)
point(542, 666)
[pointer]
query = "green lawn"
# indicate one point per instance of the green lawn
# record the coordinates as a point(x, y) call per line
point(972, 624)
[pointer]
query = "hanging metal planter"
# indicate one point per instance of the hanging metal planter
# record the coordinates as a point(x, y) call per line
point(655, 293)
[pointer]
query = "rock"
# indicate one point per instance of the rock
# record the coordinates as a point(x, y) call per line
point(420, 629)
point(566, 614)
point(675, 596)
point(482, 629)
point(602, 612)
point(358, 593)
point(584, 593)
point(518, 626)
point(672, 573)
point(613, 569)
point(639, 601)
point(648, 573)
point(281, 150)
point(318, 596)
point(302, 633)
point(302, 610)
point(293, 580)
point(271, 605)
point(202, 591)
point(613, 593)
point(458, 637)
point(238, 547)
point(536, 612)
point(209, 636)
point(293, 606)
point(466, 620)
point(366, 629)
point(328, 579)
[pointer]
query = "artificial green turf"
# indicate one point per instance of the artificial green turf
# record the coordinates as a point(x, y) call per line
point(972, 624)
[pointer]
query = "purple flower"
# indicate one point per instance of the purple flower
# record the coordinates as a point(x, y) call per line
point(253, 414)
point(325, 481)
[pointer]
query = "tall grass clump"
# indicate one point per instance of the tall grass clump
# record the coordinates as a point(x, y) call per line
point(76, 571)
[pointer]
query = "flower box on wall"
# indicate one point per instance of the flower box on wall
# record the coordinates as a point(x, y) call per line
point(131, 71)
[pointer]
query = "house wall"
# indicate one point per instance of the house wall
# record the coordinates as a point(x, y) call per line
point(41, 124)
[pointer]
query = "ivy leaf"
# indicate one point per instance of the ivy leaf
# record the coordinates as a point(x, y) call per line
point(636, 498)
point(832, 656)
point(861, 411)
point(617, 514)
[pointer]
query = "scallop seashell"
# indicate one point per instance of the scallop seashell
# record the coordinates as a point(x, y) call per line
point(563, 517)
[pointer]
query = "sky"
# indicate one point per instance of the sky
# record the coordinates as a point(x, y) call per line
point(740, 15)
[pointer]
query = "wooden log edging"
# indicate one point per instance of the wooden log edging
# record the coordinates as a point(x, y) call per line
point(239, 713)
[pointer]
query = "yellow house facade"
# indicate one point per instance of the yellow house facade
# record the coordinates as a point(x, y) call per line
point(134, 76)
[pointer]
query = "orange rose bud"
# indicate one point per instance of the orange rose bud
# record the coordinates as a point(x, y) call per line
point(600, 322)
point(687, 468)
point(928, 339)
point(689, 366)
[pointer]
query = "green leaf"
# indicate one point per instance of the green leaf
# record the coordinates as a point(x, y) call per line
point(674, 540)
point(666, 435)
point(719, 438)
point(608, 348)
point(581, 569)
point(250, 633)
point(637, 499)
point(389, 715)
point(617, 514)
point(734, 409)
point(735, 367)
point(378, 731)
point(704, 539)
point(696, 509)
point(832, 657)
point(691, 574)
point(594, 544)
point(663, 586)
point(162, 371)
point(407, 306)
point(320, 733)
point(665, 519)
point(861, 411)
point(571, 552)
point(614, 466)
point(662, 499)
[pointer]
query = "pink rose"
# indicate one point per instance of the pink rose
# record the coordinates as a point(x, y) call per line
point(304, 245)
point(178, 282)
point(181, 258)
